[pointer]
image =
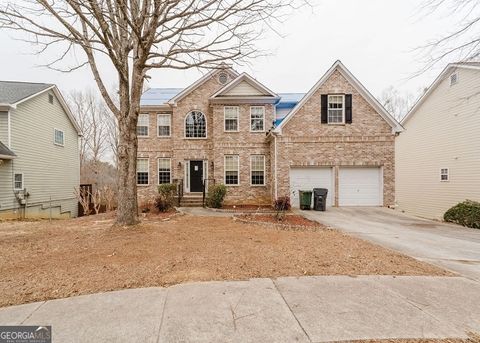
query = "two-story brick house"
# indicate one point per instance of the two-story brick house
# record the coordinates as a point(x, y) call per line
point(230, 128)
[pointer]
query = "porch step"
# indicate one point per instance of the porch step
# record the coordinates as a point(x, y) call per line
point(192, 201)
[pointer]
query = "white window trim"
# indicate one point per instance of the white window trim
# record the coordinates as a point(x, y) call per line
point(225, 119)
point(448, 175)
point(23, 182)
point(225, 170)
point(170, 131)
point(158, 168)
point(250, 123)
point(264, 171)
point(148, 126)
point(185, 123)
point(54, 137)
point(343, 108)
point(148, 172)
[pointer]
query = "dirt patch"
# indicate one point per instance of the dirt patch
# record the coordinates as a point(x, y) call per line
point(288, 220)
point(47, 260)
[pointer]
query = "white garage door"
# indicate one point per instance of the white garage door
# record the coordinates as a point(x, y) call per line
point(360, 187)
point(308, 179)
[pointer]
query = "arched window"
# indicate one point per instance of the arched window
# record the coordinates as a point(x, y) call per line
point(195, 125)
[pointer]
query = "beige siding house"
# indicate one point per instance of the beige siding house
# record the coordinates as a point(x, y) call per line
point(39, 159)
point(438, 154)
point(229, 128)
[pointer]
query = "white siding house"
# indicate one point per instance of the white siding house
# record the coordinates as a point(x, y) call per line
point(438, 154)
point(39, 158)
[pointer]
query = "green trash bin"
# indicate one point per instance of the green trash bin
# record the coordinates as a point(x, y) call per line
point(305, 199)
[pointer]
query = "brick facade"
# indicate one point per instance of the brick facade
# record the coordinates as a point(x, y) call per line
point(304, 141)
point(367, 141)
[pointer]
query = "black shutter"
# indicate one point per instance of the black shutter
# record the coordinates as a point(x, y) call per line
point(324, 108)
point(348, 108)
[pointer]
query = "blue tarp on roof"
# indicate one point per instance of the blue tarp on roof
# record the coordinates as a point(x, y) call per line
point(287, 102)
point(158, 96)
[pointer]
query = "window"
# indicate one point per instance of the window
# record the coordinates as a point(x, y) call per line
point(336, 109)
point(164, 171)
point(453, 79)
point(257, 170)
point(142, 125)
point(231, 170)
point(142, 171)
point(18, 182)
point(59, 137)
point(50, 98)
point(223, 78)
point(164, 124)
point(195, 125)
point(444, 174)
point(257, 118)
point(231, 118)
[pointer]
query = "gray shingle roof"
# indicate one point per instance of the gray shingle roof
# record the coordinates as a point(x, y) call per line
point(5, 151)
point(12, 92)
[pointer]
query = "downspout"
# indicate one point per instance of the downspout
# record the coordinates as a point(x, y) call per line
point(9, 130)
point(275, 165)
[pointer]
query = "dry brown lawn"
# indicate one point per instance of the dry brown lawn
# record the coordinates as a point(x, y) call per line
point(45, 260)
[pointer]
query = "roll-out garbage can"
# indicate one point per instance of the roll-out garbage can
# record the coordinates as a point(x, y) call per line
point(305, 199)
point(320, 199)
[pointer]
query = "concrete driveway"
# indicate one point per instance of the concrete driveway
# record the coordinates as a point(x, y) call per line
point(449, 246)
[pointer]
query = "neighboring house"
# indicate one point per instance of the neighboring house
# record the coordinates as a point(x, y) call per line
point(229, 128)
point(39, 159)
point(438, 154)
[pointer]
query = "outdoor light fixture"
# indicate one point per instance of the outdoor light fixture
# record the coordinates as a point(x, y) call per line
point(179, 164)
point(211, 164)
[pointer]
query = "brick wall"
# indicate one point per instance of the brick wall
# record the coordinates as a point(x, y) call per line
point(368, 141)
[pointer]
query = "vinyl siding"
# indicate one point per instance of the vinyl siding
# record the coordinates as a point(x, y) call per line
point(49, 170)
point(243, 89)
point(443, 133)
point(4, 128)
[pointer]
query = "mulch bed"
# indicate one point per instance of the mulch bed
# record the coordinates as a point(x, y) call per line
point(244, 209)
point(49, 260)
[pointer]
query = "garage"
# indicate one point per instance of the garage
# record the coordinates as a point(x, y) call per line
point(308, 179)
point(360, 186)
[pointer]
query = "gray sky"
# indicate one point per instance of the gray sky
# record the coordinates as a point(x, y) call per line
point(373, 38)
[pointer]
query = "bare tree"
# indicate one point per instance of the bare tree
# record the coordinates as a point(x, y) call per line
point(83, 197)
point(396, 103)
point(92, 116)
point(460, 44)
point(135, 36)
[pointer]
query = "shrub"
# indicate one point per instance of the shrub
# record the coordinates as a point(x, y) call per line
point(281, 205)
point(466, 213)
point(216, 195)
point(166, 198)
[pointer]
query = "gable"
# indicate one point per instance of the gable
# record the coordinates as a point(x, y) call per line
point(347, 84)
point(307, 121)
point(244, 89)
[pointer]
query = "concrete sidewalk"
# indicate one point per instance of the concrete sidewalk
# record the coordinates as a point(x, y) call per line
point(306, 309)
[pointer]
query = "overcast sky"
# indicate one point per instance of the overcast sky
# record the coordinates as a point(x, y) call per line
point(373, 38)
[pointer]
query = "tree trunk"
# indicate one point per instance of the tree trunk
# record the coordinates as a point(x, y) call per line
point(127, 211)
point(129, 96)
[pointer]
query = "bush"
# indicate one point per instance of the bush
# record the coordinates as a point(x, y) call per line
point(466, 213)
point(166, 198)
point(216, 195)
point(282, 204)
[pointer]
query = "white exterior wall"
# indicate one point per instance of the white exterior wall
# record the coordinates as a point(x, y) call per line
point(49, 170)
point(443, 133)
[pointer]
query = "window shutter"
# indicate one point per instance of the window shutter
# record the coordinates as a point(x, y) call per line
point(324, 108)
point(348, 108)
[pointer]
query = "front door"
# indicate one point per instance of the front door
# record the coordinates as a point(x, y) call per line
point(196, 176)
